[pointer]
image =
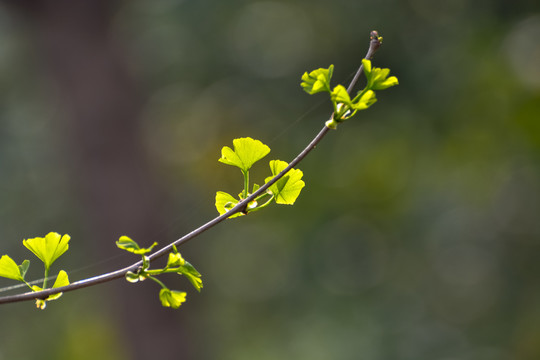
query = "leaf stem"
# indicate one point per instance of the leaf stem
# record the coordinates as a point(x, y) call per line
point(241, 206)
point(45, 278)
point(246, 183)
point(158, 281)
point(28, 284)
point(162, 271)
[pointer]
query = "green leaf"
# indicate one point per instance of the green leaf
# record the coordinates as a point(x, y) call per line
point(49, 248)
point(247, 151)
point(286, 189)
point(225, 202)
point(172, 298)
point(125, 243)
point(378, 78)
point(61, 280)
point(340, 95)
point(175, 260)
point(23, 268)
point(10, 270)
point(317, 80)
point(364, 100)
point(192, 275)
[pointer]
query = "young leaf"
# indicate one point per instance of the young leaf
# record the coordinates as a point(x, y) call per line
point(172, 298)
point(225, 202)
point(317, 80)
point(340, 95)
point(378, 78)
point(49, 248)
point(10, 270)
point(366, 99)
point(175, 260)
point(192, 275)
point(247, 151)
point(125, 243)
point(286, 189)
point(23, 268)
point(61, 280)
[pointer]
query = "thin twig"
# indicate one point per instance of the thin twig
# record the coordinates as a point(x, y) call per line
point(240, 207)
point(374, 45)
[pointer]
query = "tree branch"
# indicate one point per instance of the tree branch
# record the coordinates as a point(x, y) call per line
point(240, 207)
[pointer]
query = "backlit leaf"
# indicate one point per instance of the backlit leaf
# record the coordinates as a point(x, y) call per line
point(247, 151)
point(49, 248)
point(377, 78)
point(61, 280)
point(317, 80)
point(10, 270)
point(225, 202)
point(192, 274)
point(172, 298)
point(288, 188)
point(125, 243)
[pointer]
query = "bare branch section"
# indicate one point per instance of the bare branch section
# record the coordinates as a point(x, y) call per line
point(375, 43)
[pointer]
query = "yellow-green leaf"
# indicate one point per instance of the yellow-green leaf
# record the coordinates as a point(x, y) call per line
point(49, 248)
point(172, 298)
point(126, 243)
point(247, 151)
point(378, 78)
point(9, 269)
point(225, 202)
point(192, 274)
point(317, 80)
point(288, 188)
point(61, 280)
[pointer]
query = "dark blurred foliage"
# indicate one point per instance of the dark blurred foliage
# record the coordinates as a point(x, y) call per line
point(416, 237)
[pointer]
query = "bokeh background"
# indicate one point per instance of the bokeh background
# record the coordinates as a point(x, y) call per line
point(416, 237)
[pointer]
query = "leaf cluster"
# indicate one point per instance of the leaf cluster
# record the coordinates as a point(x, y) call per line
point(246, 152)
point(175, 264)
point(48, 249)
point(346, 107)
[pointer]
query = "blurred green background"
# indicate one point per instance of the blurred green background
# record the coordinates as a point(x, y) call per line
point(416, 237)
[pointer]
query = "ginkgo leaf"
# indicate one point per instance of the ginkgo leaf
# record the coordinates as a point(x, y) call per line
point(247, 151)
point(125, 243)
point(49, 248)
point(175, 260)
point(377, 78)
point(225, 202)
point(9, 268)
point(340, 95)
point(361, 102)
point(288, 188)
point(366, 99)
point(172, 298)
point(317, 80)
point(61, 280)
point(192, 275)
